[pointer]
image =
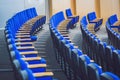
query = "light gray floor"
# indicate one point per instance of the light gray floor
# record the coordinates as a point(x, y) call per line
point(102, 34)
point(76, 36)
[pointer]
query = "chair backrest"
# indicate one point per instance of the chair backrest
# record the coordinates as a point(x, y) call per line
point(112, 19)
point(68, 12)
point(57, 18)
point(75, 53)
point(27, 75)
point(116, 61)
point(23, 64)
point(84, 21)
point(109, 57)
point(15, 54)
point(91, 16)
point(84, 60)
point(94, 71)
point(17, 65)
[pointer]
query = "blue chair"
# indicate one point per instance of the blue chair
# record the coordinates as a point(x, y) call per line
point(75, 53)
point(16, 55)
point(83, 61)
point(116, 61)
point(21, 49)
point(113, 21)
point(101, 54)
point(69, 15)
point(92, 18)
point(94, 71)
point(95, 50)
point(109, 57)
point(68, 63)
point(21, 65)
point(28, 75)
point(108, 76)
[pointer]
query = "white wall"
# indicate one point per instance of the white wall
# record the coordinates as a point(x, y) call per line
point(84, 6)
point(47, 11)
point(60, 5)
point(109, 7)
point(9, 7)
point(38, 4)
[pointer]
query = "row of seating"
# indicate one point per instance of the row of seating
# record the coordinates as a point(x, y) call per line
point(92, 18)
point(105, 55)
point(113, 27)
point(76, 65)
point(20, 33)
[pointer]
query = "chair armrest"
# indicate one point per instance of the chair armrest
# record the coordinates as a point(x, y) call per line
point(96, 20)
point(63, 30)
point(40, 16)
point(117, 23)
point(29, 52)
point(91, 60)
point(23, 48)
point(73, 16)
point(22, 33)
point(70, 41)
point(18, 40)
point(36, 65)
point(68, 20)
point(23, 43)
point(22, 36)
point(24, 29)
point(75, 46)
point(41, 74)
point(115, 29)
point(31, 58)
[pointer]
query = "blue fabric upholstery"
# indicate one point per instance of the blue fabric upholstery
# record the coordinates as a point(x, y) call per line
point(94, 71)
point(109, 76)
point(109, 57)
point(91, 16)
point(83, 61)
point(116, 61)
point(23, 65)
point(84, 21)
point(112, 19)
point(68, 12)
